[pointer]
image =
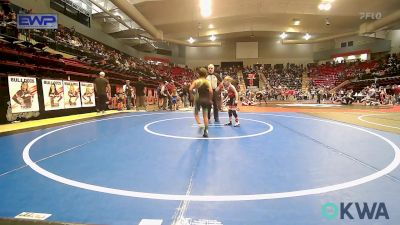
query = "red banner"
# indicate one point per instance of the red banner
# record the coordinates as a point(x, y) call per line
point(251, 77)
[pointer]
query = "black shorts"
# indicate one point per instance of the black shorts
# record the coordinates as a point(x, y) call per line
point(231, 102)
point(202, 104)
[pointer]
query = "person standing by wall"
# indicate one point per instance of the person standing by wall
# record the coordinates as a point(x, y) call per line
point(140, 94)
point(159, 96)
point(101, 85)
point(216, 98)
point(128, 93)
point(396, 91)
point(320, 92)
point(165, 95)
point(185, 94)
point(170, 88)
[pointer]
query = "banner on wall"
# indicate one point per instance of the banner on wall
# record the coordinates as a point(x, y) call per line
point(150, 96)
point(53, 94)
point(251, 77)
point(72, 95)
point(88, 97)
point(23, 94)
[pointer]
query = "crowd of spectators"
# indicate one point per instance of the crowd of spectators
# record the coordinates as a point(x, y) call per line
point(369, 95)
point(332, 74)
point(386, 67)
point(123, 62)
point(289, 77)
point(93, 52)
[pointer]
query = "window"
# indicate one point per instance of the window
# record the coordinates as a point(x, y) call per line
point(351, 57)
point(343, 45)
point(339, 59)
point(364, 57)
point(77, 12)
point(350, 43)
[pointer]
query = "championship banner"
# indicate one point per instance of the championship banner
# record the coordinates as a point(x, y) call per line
point(150, 96)
point(53, 94)
point(88, 98)
point(23, 94)
point(72, 95)
point(251, 77)
point(118, 89)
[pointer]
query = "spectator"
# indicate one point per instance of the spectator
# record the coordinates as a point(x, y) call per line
point(185, 94)
point(128, 93)
point(100, 86)
point(140, 94)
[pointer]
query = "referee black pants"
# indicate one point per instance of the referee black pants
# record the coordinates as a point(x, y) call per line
point(215, 105)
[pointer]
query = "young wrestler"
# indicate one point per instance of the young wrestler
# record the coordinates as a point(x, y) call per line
point(120, 99)
point(232, 99)
point(202, 98)
point(174, 100)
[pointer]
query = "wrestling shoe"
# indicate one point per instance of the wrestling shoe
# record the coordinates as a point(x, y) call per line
point(205, 134)
point(228, 124)
point(237, 124)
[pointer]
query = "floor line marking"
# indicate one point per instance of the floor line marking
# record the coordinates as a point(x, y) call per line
point(379, 124)
point(147, 129)
point(337, 151)
point(221, 198)
point(48, 157)
point(183, 206)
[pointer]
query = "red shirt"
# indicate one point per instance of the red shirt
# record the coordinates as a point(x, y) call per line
point(397, 90)
point(231, 91)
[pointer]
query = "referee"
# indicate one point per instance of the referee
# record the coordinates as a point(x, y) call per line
point(216, 98)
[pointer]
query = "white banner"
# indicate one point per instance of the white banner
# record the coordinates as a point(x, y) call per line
point(53, 94)
point(33, 216)
point(72, 95)
point(87, 91)
point(23, 94)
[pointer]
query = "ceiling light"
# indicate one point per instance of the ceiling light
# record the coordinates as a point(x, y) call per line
point(307, 36)
point(296, 22)
point(291, 29)
point(213, 38)
point(325, 6)
point(328, 6)
point(283, 35)
point(205, 8)
point(211, 26)
point(191, 40)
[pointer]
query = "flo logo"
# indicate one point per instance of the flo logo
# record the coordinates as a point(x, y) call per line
point(355, 210)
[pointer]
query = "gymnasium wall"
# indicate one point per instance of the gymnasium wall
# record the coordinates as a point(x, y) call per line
point(269, 52)
point(178, 54)
point(324, 51)
point(394, 36)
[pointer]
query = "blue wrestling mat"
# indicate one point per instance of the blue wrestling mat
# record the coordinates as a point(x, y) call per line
point(155, 168)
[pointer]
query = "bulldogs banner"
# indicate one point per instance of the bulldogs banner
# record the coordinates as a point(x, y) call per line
point(88, 98)
point(23, 94)
point(53, 94)
point(72, 95)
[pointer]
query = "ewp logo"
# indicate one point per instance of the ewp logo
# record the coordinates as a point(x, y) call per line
point(37, 21)
point(364, 211)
